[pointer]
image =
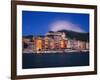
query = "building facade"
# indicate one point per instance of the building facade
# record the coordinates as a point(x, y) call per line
point(55, 41)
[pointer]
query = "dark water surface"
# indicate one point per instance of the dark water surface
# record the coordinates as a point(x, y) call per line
point(46, 60)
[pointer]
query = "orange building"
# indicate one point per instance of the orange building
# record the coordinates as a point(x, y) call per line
point(62, 44)
point(39, 44)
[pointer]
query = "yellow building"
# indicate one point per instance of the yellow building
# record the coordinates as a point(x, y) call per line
point(39, 44)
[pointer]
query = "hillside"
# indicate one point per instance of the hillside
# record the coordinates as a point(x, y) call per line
point(76, 35)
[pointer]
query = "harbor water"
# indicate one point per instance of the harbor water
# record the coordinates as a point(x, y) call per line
point(46, 60)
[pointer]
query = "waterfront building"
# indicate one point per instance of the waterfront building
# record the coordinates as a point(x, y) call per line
point(39, 44)
point(62, 44)
point(71, 44)
point(81, 45)
point(87, 45)
point(26, 40)
point(52, 44)
point(46, 43)
point(75, 44)
point(54, 41)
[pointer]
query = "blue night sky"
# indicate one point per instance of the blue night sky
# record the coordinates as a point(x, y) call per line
point(38, 23)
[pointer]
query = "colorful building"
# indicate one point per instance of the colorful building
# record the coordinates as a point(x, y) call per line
point(56, 41)
point(39, 44)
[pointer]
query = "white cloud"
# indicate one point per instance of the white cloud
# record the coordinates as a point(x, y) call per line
point(65, 25)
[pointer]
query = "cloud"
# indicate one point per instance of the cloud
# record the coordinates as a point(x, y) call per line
point(65, 25)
